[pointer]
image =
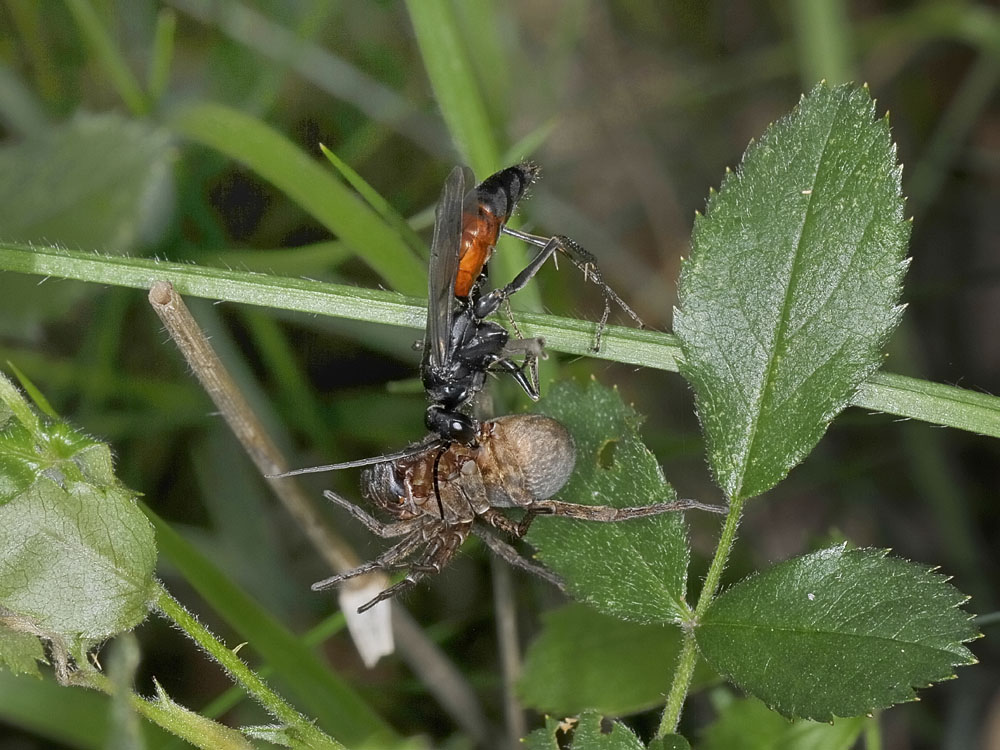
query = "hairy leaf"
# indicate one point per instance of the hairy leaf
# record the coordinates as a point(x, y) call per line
point(20, 652)
point(76, 553)
point(792, 286)
point(634, 569)
point(589, 732)
point(837, 633)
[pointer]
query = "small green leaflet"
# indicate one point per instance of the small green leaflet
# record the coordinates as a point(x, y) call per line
point(76, 553)
point(635, 569)
point(792, 286)
point(837, 633)
point(589, 732)
point(20, 652)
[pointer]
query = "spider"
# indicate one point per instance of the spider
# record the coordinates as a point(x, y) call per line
point(441, 495)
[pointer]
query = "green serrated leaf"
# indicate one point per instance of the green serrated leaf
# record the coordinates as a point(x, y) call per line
point(32, 448)
point(544, 738)
point(594, 733)
point(20, 652)
point(750, 725)
point(636, 569)
point(76, 553)
point(77, 561)
point(792, 286)
point(837, 633)
point(584, 659)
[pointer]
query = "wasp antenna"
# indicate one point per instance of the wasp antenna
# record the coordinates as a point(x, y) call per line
point(413, 450)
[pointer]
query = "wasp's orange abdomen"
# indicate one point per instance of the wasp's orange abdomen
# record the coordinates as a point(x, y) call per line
point(492, 203)
point(479, 236)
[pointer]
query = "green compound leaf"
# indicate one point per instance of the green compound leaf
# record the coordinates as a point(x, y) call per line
point(837, 633)
point(584, 659)
point(589, 732)
point(635, 569)
point(76, 553)
point(792, 286)
point(750, 725)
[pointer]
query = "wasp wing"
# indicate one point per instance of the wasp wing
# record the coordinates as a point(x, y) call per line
point(445, 247)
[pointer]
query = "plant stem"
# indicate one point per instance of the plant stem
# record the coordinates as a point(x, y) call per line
point(886, 392)
point(241, 673)
point(689, 655)
point(678, 690)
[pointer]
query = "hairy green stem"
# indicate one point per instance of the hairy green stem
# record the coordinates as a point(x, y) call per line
point(241, 673)
point(886, 392)
point(689, 655)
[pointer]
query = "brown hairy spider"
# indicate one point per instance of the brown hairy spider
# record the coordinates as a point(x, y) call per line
point(441, 495)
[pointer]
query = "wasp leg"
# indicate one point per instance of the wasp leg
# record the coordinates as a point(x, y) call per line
point(524, 374)
point(388, 558)
point(488, 303)
point(606, 513)
point(384, 530)
point(583, 260)
point(512, 557)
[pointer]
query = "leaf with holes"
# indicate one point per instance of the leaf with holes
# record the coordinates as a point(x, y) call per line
point(634, 569)
point(792, 286)
point(837, 633)
point(589, 732)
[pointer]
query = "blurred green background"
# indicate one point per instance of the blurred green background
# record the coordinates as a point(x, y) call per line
point(634, 109)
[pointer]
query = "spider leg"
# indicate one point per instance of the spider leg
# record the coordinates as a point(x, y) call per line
point(388, 558)
point(514, 558)
point(397, 588)
point(606, 513)
point(438, 553)
point(384, 530)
